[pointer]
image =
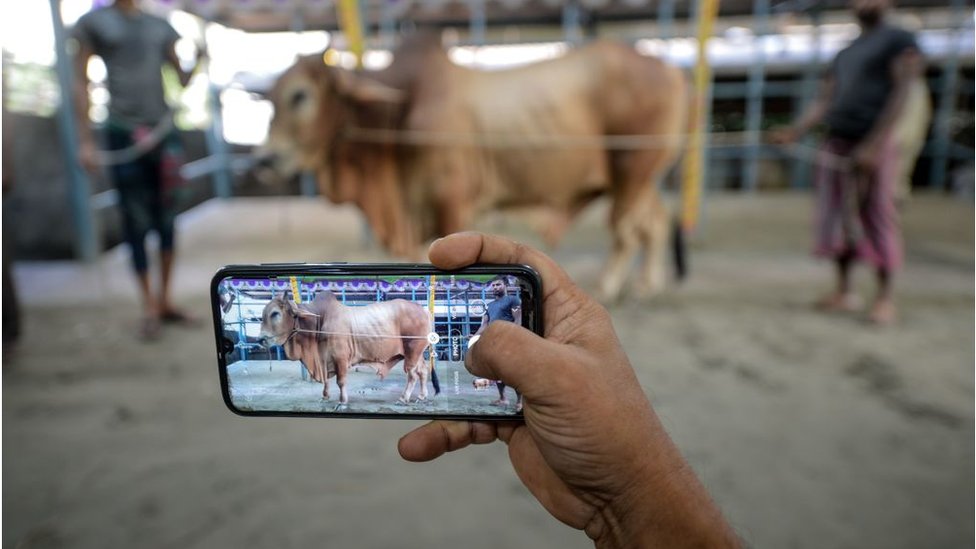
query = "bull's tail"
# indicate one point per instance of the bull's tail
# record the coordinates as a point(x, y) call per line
point(689, 195)
point(679, 249)
point(434, 381)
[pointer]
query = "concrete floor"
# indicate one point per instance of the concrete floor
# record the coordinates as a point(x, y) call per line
point(809, 430)
point(277, 385)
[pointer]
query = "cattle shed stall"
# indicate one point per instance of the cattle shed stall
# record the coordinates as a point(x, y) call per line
point(809, 430)
point(766, 58)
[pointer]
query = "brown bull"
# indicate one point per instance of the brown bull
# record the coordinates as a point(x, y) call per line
point(443, 143)
point(379, 334)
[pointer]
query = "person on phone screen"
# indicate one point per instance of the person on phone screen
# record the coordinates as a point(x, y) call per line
point(502, 307)
point(591, 449)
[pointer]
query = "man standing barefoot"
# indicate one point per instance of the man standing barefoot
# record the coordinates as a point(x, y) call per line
point(134, 46)
point(863, 94)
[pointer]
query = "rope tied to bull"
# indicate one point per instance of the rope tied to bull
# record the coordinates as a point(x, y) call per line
point(142, 146)
point(418, 138)
point(353, 334)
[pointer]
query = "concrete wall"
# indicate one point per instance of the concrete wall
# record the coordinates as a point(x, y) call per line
point(36, 209)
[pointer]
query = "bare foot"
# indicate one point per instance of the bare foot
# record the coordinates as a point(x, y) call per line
point(839, 303)
point(883, 313)
point(150, 329)
point(172, 315)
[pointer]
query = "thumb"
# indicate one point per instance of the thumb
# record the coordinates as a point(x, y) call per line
point(534, 366)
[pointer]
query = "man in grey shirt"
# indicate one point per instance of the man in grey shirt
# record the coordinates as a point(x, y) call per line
point(134, 46)
point(863, 94)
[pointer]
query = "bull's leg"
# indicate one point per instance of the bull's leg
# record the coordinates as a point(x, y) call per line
point(654, 235)
point(325, 382)
point(415, 367)
point(625, 243)
point(423, 372)
point(408, 390)
point(560, 219)
point(342, 368)
point(634, 217)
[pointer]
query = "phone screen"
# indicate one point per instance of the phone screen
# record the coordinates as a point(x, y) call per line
point(366, 340)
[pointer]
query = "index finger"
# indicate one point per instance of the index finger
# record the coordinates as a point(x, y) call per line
point(462, 249)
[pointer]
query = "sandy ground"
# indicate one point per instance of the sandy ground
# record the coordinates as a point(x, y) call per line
point(809, 430)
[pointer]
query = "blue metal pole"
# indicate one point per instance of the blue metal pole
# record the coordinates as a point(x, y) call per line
point(571, 20)
point(217, 146)
point(665, 19)
point(476, 24)
point(79, 192)
point(800, 169)
point(754, 101)
point(450, 322)
point(242, 338)
point(947, 101)
point(466, 332)
point(388, 25)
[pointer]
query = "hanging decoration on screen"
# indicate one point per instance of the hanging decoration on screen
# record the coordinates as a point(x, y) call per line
point(397, 8)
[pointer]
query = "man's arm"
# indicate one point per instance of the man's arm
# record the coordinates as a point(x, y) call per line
point(174, 61)
point(517, 314)
point(813, 115)
point(905, 69)
point(86, 141)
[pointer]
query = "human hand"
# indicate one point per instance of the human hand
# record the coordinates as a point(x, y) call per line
point(907, 66)
point(785, 136)
point(865, 157)
point(591, 449)
point(88, 156)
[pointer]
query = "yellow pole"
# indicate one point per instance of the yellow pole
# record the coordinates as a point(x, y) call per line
point(296, 291)
point(352, 28)
point(691, 184)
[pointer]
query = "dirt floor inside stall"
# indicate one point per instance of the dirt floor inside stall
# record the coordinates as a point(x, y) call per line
point(279, 385)
point(809, 430)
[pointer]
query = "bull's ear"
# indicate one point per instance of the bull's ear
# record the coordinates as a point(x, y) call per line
point(366, 90)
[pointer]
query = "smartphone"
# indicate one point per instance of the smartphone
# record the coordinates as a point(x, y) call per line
point(365, 340)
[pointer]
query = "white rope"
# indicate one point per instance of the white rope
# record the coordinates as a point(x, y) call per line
point(350, 334)
point(139, 148)
point(433, 337)
point(607, 142)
